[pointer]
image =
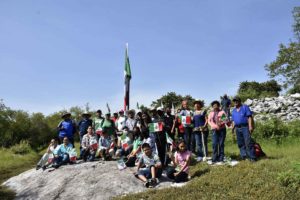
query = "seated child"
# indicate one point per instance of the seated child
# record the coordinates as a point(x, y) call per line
point(179, 173)
point(47, 158)
point(61, 153)
point(149, 167)
point(106, 146)
point(89, 145)
point(125, 143)
point(136, 150)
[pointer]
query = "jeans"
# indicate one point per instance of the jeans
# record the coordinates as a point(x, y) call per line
point(218, 139)
point(181, 177)
point(244, 143)
point(189, 138)
point(61, 160)
point(87, 154)
point(199, 144)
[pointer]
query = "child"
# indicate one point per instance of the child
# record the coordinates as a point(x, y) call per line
point(136, 150)
point(181, 163)
point(47, 158)
point(106, 147)
point(149, 167)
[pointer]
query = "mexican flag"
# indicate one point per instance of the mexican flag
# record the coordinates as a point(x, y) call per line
point(170, 140)
point(186, 120)
point(156, 127)
point(127, 77)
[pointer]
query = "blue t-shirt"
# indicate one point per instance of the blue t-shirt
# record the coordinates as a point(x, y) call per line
point(83, 126)
point(241, 116)
point(68, 128)
point(199, 119)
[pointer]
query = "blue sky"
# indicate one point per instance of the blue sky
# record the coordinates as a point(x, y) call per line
point(56, 54)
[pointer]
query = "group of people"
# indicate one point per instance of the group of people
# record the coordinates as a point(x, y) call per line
point(156, 140)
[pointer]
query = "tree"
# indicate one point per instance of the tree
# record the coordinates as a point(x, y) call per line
point(286, 66)
point(255, 90)
point(172, 97)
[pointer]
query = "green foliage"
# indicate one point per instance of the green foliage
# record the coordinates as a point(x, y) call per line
point(172, 97)
point(276, 129)
point(289, 179)
point(254, 90)
point(287, 63)
point(22, 148)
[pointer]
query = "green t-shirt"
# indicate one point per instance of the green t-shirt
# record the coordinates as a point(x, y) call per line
point(97, 122)
point(108, 126)
point(136, 144)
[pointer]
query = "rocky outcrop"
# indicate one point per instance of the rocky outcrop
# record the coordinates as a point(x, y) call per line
point(91, 180)
point(286, 108)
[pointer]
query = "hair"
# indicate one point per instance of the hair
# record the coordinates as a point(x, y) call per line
point(146, 145)
point(178, 143)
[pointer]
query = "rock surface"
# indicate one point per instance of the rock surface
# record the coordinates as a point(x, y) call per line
point(91, 180)
point(286, 108)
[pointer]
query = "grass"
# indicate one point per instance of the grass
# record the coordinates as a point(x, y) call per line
point(269, 178)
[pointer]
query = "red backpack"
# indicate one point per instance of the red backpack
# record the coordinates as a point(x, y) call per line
point(258, 150)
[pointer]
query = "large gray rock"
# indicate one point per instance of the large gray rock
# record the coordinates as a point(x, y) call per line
point(91, 180)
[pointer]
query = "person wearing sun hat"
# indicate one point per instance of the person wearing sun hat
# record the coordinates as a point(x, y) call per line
point(217, 120)
point(243, 124)
point(66, 128)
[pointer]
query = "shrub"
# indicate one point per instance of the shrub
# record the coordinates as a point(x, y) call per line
point(22, 148)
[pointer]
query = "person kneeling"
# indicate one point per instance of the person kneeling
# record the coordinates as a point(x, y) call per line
point(149, 167)
point(179, 173)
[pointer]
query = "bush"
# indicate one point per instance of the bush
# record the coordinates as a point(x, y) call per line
point(273, 128)
point(22, 148)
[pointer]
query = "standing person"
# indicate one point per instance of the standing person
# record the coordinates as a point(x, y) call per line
point(89, 145)
point(225, 104)
point(83, 124)
point(169, 121)
point(97, 123)
point(200, 122)
point(66, 128)
point(244, 126)
point(159, 136)
point(146, 120)
point(121, 121)
point(130, 122)
point(217, 119)
point(109, 127)
point(188, 130)
point(178, 125)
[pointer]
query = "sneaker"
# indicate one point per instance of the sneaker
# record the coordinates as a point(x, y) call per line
point(44, 168)
point(252, 160)
point(38, 167)
point(153, 182)
point(147, 184)
point(199, 159)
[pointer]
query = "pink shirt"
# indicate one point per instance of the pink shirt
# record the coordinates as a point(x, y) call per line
point(214, 119)
point(182, 158)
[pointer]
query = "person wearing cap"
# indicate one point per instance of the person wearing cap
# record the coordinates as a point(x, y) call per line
point(109, 126)
point(97, 123)
point(243, 124)
point(188, 130)
point(120, 124)
point(217, 120)
point(66, 128)
point(200, 122)
point(225, 104)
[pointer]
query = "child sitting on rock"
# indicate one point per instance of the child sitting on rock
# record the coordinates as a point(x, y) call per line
point(179, 173)
point(106, 146)
point(149, 167)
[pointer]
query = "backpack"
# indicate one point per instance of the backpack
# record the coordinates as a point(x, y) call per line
point(257, 149)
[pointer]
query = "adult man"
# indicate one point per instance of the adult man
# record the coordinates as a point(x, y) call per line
point(244, 126)
point(188, 130)
point(84, 124)
point(225, 104)
point(169, 120)
point(121, 121)
point(130, 122)
point(66, 128)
